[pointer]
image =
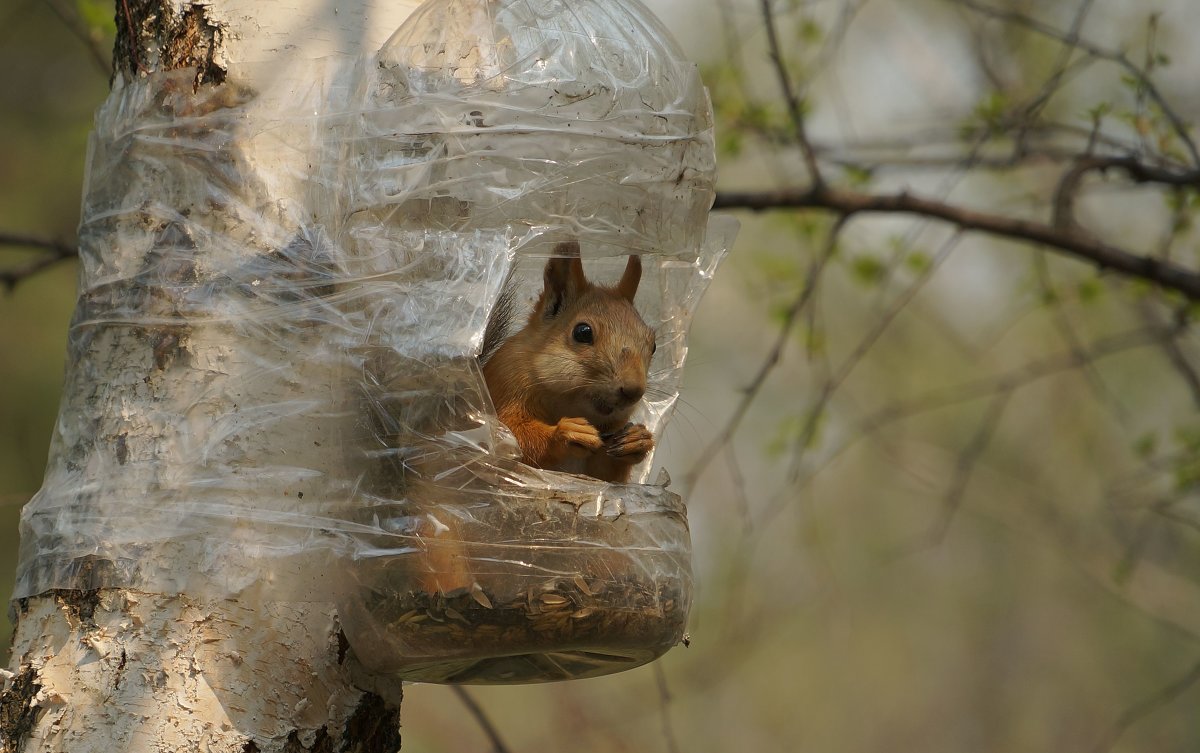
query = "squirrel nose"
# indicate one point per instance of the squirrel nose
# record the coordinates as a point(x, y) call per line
point(631, 392)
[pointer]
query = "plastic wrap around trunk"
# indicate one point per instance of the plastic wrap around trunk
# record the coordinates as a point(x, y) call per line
point(273, 387)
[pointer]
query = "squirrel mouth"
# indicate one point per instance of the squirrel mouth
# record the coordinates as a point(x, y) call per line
point(608, 417)
point(603, 408)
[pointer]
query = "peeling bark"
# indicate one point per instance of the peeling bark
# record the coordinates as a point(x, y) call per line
point(116, 670)
point(18, 711)
point(156, 35)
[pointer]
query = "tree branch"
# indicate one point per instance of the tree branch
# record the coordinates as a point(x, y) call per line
point(1143, 79)
point(1060, 69)
point(791, 317)
point(795, 110)
point(664, 700)
point(992, 387)
point(821, 403)
point(79, 30)
point(57, 252)
point(1138, 172)
point(1069, 242)
point(967, 459)
point(481, 717)
point(1013, 379)
point(65, 250)
point(1137, 712)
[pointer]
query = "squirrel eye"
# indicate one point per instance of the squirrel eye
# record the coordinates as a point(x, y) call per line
point(583, 333)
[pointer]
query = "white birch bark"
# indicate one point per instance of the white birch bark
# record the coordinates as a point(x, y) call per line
point(116, 669)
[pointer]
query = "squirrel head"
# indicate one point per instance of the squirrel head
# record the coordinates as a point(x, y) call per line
point(590, 350)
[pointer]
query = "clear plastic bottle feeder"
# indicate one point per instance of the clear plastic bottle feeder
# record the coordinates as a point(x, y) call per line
point(274, 390)
point(488, 134)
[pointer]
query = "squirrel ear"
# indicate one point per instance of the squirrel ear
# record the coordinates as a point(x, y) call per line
point(627, 287)
point(563, 279)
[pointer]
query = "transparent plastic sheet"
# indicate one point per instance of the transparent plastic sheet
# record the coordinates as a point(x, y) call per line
point(273, 373)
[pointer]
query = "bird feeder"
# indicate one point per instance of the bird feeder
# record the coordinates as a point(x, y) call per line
point(495, 130)
point(274, 391)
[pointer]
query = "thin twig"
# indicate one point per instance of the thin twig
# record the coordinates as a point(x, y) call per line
point(664, 701)
point(966, 464)
point(57, 252)
point(1178, 125)
point(740, 498)
point(1062, 322)
point(1060, 68)
point(1179, 360)
point(945, 397)
point(482, 719)
point(795, 110)
point(1012, 379)
point(791, 317)
point(939, 147)
point(864, 346)
point(80, 31)
point(730, 37)
point(1144, 708)
point(19, 240)
point(1139, 172)
point(1165, 509)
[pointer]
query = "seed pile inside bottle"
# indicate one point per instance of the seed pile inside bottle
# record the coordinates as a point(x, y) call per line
point(555, 614)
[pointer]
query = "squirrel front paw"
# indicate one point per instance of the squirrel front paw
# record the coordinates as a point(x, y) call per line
point(578, 435)
point(631, 444)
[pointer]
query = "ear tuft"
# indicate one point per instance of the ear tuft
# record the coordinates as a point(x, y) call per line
point(563, 279)
point(627, 287)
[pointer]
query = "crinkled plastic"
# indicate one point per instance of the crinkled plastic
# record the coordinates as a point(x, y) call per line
point(273, 388)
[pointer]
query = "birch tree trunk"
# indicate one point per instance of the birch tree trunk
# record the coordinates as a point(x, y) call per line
point(128, 669)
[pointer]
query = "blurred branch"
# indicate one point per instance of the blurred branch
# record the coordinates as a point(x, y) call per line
point(991, 387)
point(1062, 322)
point(72, 22)
point(1179, 360)
point(1072, 40)
point(791, 316)
point(1072, 243)
point(1059, 71)
point(1136, 713)
point(1139, 172)
point(1014, 378)
point(942, 147)
point(795, 109)
point(1166, 510)
point(740, 498)
point(729, 34)
point(481, 717)
point(831, 385)
point(967, 459)
point(832, 44)
point(56, 251)
point(664, 699)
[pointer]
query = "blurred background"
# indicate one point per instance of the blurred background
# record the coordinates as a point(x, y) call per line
point(53, 58)
point(943, 487)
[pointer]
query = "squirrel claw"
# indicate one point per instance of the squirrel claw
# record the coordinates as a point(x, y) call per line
point(610, 436)
point(631, 444)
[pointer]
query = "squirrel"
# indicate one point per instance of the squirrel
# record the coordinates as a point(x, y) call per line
point(567, 383)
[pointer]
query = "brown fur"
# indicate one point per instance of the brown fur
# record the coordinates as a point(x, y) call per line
point(569, 403)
